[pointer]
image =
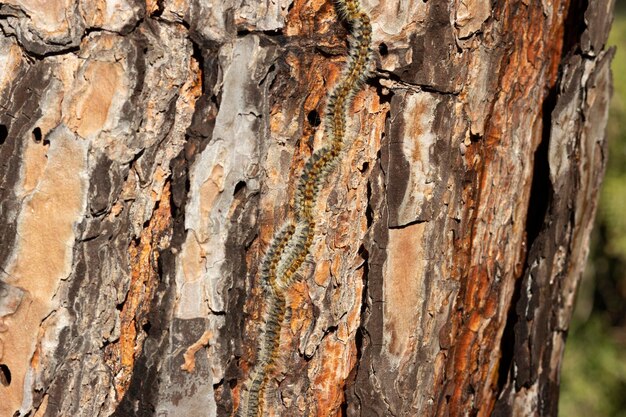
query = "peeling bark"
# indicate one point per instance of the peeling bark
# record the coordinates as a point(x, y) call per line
point(150, 150)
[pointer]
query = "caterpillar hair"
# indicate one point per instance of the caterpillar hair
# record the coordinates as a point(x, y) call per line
point(291, 245)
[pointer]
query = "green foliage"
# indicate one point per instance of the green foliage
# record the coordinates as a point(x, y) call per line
point(613, 195)
point(593, 377)
point(612, 213)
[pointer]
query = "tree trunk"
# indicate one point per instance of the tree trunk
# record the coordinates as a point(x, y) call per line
point(151, 151)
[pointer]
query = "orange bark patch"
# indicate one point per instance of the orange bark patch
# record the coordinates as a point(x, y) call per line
point(42, 257)
point(308, 17)
point(144, 280)
point(211, 189)
point(102, 81)
point(483, 301)
point(190, 353)
point(416, 128)
point(152, 6)
point(48, 16)
point(330, 380)
point(401, 291)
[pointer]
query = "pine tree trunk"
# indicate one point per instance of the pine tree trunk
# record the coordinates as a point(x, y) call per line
point(151, 150)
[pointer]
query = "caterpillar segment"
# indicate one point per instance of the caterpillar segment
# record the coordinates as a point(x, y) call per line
point(274, 321)
point(291, 245)
point(310, 182)
point(273, 256)
point(266, 358)
point(297, 257)
point(290, 264)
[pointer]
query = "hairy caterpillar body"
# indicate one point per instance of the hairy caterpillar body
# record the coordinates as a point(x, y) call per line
point(290, 246)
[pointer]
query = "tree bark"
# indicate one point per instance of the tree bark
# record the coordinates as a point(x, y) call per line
point(151, 150)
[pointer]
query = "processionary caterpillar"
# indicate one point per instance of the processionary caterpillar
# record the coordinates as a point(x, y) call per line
point(292, 243)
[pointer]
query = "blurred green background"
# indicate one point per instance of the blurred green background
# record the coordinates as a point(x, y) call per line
point(593, 377)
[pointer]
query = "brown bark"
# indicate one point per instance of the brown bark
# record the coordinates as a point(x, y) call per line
point(150, 150)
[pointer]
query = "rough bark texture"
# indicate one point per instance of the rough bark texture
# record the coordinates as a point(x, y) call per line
point(149, 151)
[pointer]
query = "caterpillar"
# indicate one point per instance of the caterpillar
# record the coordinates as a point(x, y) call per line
point(291, 245)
